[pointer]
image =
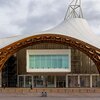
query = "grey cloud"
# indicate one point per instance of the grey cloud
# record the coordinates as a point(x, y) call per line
point(10, 3)
point(34, 24)
point(38, 23)
point(52, 13)
point(51, 18)
point(91, 14)
point(32, 5)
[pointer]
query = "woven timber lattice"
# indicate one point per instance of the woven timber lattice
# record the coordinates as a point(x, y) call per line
point(89, 50)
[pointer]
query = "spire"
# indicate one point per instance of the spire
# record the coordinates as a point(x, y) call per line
point(74, 10)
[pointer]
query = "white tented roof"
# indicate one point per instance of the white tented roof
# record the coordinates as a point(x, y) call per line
point(76, 27)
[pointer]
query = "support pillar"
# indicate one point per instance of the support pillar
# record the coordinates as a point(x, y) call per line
point(55, 81)
point(32, 81)
point(0, 78)
point(90, 81)
point(18, 81)
point(78, 80)
point(66, 81)
point(24, 81)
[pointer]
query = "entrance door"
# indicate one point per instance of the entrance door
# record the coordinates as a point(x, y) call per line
point(60, 84)
point(60, 81)
point(43, 81)
point(21, 81)
point(39, 81)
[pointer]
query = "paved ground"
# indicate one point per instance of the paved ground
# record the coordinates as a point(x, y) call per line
point(50, 97)
point(47, 98)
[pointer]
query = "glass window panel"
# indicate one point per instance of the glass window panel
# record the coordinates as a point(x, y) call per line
point(59, 64)
point(50, 81)
point(28, 81)
point(65, 61)
point(32, 62)
point(85, 81)
point(60, 81)
point(37, 62)
point(96, 81)
point(73, 81)
point(43, 62)
point(54, 61)
point(48, 61)
point(39, 81)
point(21, 81)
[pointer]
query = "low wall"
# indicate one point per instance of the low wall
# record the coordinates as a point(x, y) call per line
point(50, 90)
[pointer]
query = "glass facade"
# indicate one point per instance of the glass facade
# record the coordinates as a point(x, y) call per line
point(50, 81)
point(21, 81)
point(83, 74)
point(84, 81)
point(47, 81)
point(96, 81)
point(40, 81)
point(72, 81)
point(48, 61)
point(60, 81)
point(28, 81)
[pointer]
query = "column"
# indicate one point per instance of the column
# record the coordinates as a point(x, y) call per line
point(24, 80)
point(32, 81)
point(66, 81)
point(18, 81)
point(0, 78)
point(55, 81)
point(90, 81)
point(78, 80)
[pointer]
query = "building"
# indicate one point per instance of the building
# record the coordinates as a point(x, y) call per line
point(66, 56)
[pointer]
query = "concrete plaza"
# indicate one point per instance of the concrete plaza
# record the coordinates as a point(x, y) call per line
point(37, 96)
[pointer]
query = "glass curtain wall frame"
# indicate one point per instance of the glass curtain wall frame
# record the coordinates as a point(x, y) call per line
point(48, 81)
point(28, 81)
point(85, 81)
point(39, 81)
point(43, 81)
point(96, 81)
point(25, 81)
point(21, 82)
point(60, 81)
point(73, 81)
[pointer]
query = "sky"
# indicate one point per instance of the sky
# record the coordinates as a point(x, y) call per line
point(30, 16)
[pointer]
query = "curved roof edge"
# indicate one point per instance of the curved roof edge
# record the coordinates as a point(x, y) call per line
point(77, 28)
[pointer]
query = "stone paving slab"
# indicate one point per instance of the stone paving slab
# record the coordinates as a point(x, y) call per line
point(48, 98)
point(52, 94)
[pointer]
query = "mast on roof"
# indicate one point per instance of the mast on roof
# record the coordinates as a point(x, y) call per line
point(74, 10)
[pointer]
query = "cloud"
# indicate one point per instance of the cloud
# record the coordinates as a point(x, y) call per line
point(29, 16)
point(40, 16)
point(91, 11)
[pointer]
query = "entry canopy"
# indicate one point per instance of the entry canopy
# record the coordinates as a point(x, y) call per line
point(74, 25)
